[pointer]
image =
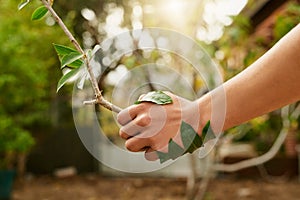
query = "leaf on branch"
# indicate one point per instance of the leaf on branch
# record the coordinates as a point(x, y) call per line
point(76, 64)
point(63, 51)
point(70, 58)
point(157, 97)
point(39, 13)
point(22, 4)
point(64, 79)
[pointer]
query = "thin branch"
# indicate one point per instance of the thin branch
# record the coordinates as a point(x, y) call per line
point(63, 26)
point(103, 102)
point(90, 102)
point(296, 112)
point(265, 157)
point(99, 98)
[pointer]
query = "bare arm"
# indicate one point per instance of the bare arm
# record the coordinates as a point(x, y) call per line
point(270, 83)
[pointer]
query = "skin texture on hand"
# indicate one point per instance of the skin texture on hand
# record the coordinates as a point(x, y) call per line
point(149, 127)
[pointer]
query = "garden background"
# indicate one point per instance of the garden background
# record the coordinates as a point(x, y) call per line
point(37, 133)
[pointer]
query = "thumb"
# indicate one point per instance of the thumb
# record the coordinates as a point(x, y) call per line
point(151, 155)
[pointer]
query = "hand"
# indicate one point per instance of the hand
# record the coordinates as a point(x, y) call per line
point(149, 127)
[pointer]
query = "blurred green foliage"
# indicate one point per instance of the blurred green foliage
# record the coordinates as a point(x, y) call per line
point(13, 141)
point(285, 22)
point(29, 71)
point(30, 68)
point(241, 46)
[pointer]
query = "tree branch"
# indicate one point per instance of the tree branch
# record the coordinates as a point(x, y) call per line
point(99, 98)
point(265, 157)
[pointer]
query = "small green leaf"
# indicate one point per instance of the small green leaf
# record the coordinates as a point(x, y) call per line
point(22, 4)
point(207, 133)
point(163, 157)
point(205, 129)
point(70, 58)
point(66, 77)
point(174, 150)
point(157, 97)
point(197, 143)
point(75, 64)
point(190, 139)
point(63, 50)
point(39, 13)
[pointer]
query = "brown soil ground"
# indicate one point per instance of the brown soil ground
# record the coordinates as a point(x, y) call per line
point(95, 187)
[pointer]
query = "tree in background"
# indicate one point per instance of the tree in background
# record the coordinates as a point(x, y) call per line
point(29, 73)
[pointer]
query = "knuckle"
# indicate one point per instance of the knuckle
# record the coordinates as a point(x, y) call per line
point(119, 119)
point(144, 120)
point(141, 107)
point(122, 134)
point(130, 146)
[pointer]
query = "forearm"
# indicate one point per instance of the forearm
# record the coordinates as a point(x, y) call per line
point(270, 83)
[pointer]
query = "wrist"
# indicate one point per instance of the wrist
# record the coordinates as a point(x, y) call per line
point(204, 108)
point(212, 108)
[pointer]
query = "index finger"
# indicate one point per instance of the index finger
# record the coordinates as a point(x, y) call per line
point(130, 113)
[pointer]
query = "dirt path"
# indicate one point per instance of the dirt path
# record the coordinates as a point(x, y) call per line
point(94, 187)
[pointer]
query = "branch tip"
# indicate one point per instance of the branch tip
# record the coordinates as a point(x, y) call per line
point(90, 102)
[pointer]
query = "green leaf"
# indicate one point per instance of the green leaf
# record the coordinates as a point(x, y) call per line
point(205, 129)
point(39, 13)
point(207, 133)
point(22, 4)
point(63, 50)
point(163, 157)
point(70, 58)
point(65, 78)
point(174, 150)
point(75, 64)
point(190, 139)
point(157, 97)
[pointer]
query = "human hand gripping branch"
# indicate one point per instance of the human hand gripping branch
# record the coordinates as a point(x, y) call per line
point(77, 59)
point(153, 125)
point(271, 82)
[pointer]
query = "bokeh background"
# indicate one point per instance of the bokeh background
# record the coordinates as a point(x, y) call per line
point(38, 139)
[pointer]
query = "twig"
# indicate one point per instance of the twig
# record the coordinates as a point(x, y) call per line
point(99, 99)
